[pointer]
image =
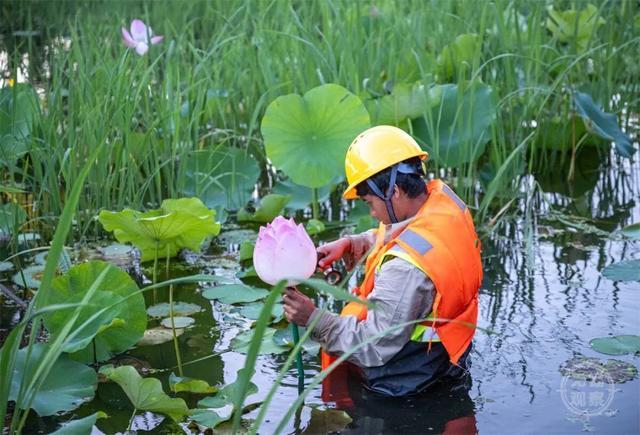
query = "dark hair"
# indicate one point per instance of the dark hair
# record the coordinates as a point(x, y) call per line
point(411, 184)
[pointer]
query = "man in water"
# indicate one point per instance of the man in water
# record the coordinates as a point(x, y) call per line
point(423, 271)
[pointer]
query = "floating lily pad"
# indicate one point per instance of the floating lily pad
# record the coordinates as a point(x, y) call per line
point(178, 223)
point(241, 342)
point(116, 250)
point(247, 273)
point(252, 311)
point(179, 322)
point(145, 394)
point(67, 386)
point(179, 309)
point(623, 271)
point(179, 384)
point(158, 335)
point(284, 337)
point(41, 258)
point(234, 293)
point(632, 231)
point(29, 277)
point(269, 207)
point(5, 266)
point(596, 370)
point(616, 345)
point(28, 239)
point(307, 136)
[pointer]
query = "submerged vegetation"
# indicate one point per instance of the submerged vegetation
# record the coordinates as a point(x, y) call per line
point(232, 112)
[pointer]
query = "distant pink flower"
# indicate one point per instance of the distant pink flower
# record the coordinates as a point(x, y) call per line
point(284, 250)
point(140, 38)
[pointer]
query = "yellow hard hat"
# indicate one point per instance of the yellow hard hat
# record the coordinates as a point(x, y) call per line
point(375, 150)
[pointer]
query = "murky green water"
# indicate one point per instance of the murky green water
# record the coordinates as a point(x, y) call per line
point(543, 299)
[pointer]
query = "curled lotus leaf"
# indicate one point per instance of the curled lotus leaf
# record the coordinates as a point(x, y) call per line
point(178, 223)
point(307, 136)
point(179, 384)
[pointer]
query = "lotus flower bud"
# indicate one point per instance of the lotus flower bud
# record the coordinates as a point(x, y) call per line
point(284, 250)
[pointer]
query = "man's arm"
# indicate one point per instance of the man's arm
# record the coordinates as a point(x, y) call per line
point(402, 293)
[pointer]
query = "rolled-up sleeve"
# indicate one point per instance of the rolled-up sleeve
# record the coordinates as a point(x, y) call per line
point(401, 293)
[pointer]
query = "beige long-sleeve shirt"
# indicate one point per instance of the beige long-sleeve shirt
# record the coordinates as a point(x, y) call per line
point(401, 293)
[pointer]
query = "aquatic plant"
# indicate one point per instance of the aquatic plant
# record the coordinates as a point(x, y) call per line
point(140, 37)
point(284, 251)
point(178, 223)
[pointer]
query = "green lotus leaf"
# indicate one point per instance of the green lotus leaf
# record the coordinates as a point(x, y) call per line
point(210, 418)
point(572, 25)
point(457, 127)
point(179, 384)
point(12, 216)
point(632, 231)
point(179, 309)
point(227, 394)
point(158, 335)
point(19, 109)
point(241, 342)
point(115, 330)
point(67, 386)
point(270, 206)
point(145, 394)
point(81, 426)
point(314, 226)
point(284, 337)
point(178, 321)
point(5, 266)
point(406, 101)
point(623, 271)
point(307, 136)
point(616, 345)
point(248, 273)
point(234, 293)
point(179, 223)
point(462, 50)
point(301, 196)
point(326, 421)
point(222, 177)
point(252, 311)
point(602, 124)
point(246, 250)
point(29, 277)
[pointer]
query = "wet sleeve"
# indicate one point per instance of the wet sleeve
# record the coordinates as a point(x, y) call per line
point(402, 293)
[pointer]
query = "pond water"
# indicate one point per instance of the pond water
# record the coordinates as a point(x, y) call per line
point(542, 300)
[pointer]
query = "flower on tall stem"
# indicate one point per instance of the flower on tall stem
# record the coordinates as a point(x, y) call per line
point(284, 250)
point(140, 37)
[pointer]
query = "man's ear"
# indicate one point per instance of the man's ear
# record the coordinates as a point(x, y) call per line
point(396, 191)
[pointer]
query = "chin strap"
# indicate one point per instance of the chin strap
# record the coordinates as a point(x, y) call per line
point(386, 197)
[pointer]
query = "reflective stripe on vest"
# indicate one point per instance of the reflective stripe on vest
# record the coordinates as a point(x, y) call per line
point(421, 333)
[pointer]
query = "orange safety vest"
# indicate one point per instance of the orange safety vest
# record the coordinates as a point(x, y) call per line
point(442, 242)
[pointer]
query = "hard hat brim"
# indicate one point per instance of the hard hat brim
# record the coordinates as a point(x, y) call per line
point(351, 193)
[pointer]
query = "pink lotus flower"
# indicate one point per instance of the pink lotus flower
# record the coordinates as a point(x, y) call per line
point(284, 251)
point(140, 38)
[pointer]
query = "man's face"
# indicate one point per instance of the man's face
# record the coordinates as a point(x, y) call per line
point(377, 209)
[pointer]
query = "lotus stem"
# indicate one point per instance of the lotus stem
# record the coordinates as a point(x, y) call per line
point(314, 203)
point(173, 325)
point(131, 419)
point(296, 339)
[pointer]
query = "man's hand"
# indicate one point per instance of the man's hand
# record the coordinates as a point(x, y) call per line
point(332, 252)
point(297, 307)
